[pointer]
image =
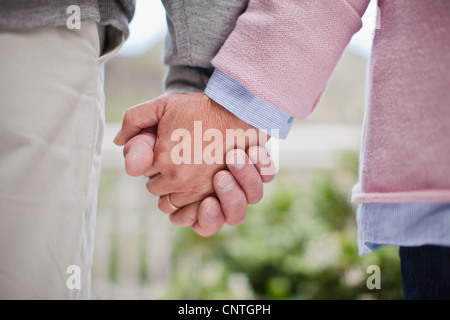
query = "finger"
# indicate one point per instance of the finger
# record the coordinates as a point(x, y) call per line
point(262, 162)
point(246, 175)
point(152, 171)
point(142, 116)
point(210, 218)
point(166, 207)
point(181, 199)
point(158, 186)
point(138, 153)
point(232, 198)
point(186, 216)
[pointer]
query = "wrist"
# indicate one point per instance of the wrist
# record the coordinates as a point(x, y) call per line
point(231, 95)
point(238, 133)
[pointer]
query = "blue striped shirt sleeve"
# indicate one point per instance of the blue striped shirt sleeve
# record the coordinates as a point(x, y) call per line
point(234, 97)
point(402, 224)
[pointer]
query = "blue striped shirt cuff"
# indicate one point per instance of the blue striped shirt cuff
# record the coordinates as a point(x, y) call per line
point(231, 95)
point(402, 224)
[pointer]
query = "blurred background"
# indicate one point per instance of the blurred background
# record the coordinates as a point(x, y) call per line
point(299, 242)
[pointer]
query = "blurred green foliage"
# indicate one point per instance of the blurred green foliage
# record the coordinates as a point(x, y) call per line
point(300, 242)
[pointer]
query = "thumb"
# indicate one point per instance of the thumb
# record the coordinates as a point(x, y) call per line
point(142, 116)
point(138, 153)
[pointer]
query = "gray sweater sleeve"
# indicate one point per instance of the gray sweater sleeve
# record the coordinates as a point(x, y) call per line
point(197, 30)
point(30, 14)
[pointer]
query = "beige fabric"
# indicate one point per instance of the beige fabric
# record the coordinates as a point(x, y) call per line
point(51, 126)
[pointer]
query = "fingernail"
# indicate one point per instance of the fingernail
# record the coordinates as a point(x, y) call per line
point(254, 156)
point(239, 161)
point(212, 210)
point(225, 183)
point(258, 156)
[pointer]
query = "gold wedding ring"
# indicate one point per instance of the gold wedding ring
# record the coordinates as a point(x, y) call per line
point(171, 204)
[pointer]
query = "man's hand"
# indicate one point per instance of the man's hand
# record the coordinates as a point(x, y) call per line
point(187, 183)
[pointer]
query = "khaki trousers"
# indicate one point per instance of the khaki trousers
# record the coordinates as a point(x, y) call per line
point(51, 126)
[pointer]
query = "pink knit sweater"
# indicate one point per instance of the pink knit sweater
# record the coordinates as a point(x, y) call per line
point(285, 51)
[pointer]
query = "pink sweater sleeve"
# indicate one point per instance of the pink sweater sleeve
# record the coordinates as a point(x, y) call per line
point(283, 52)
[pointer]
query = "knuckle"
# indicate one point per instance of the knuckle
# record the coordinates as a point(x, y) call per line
point(128, 117)
point(189, 220)
point(205, 188)
point(182, 220)
point(162, 207)
point(177, 176)
point(151, 187)
point(196, 186)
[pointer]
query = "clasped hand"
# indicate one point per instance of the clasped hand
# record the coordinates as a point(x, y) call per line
point(202, 161)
